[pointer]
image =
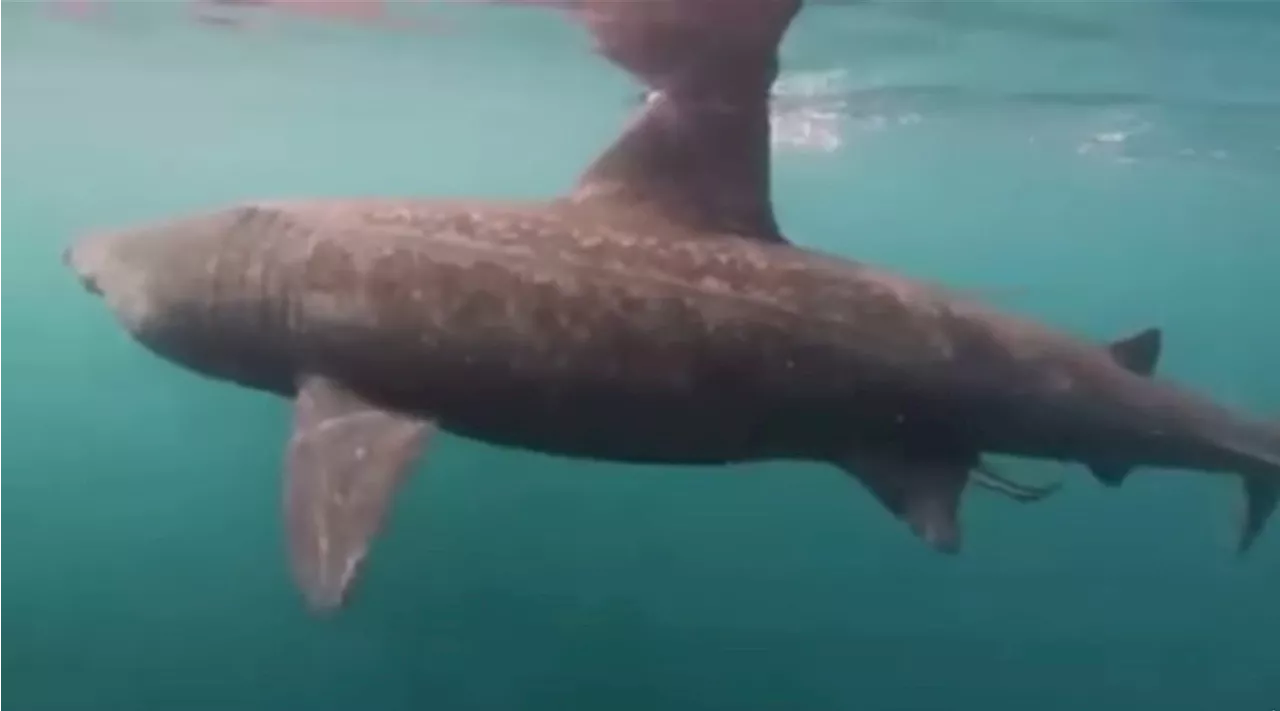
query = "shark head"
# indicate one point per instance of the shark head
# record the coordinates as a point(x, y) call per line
point(119, 268)
point(151, 275)
point(161, 282)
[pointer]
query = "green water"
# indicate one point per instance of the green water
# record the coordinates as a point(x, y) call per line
point(144, 562)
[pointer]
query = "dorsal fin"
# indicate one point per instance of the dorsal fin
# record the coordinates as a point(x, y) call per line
point(1138, 353)
point(698, 153)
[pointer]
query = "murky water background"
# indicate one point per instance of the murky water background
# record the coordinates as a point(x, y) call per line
point(1103, 166)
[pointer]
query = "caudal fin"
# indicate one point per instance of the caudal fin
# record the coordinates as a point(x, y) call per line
point(1260, 498)
point(1261, 484)
point(1139, 354)
point(1257, 451)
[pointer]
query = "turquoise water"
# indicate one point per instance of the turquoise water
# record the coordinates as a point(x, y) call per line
point(1101, 166)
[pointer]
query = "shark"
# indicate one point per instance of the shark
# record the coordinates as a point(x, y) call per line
point(654, 314)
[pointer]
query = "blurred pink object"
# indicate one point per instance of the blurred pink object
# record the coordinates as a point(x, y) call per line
point(232, 13)
point(77, 9)
point(360, 10)
point(365, 12)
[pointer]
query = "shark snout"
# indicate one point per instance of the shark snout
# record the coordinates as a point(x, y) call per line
point(87, 278)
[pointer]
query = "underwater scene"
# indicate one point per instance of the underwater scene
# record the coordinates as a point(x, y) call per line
point(1098, 168)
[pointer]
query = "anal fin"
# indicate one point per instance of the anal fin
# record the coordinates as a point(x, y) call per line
point(1110, 473)
point(345, 461)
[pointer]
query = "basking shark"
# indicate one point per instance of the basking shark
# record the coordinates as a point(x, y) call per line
point(655, 314)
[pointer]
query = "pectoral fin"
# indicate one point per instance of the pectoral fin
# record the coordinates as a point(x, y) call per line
point(346, 459)
point(924, 494)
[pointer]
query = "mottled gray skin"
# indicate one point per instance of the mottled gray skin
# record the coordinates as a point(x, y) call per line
point(565, 330)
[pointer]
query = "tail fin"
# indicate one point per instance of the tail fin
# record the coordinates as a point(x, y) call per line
point(1261, 485)
point(1138, 354)
point(1260, 498)
point(1260, 452)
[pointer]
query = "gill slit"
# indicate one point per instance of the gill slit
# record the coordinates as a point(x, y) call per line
point(273, 304)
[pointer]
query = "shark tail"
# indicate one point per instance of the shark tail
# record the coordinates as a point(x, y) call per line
point(1261, 474)
point(1258, 453)
point(1261, 494)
